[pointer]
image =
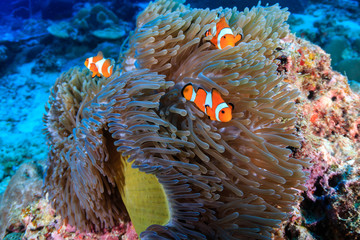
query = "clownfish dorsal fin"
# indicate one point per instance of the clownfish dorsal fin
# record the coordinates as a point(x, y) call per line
point(215, 93)
point(222, 23)
point(201, 91)
point(98, 57)
point(216, 97)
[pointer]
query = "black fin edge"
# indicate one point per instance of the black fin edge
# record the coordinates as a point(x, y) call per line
point(182, 90)
point(232, 105)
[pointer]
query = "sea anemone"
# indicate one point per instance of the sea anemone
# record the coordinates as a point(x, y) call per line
point(130, 147)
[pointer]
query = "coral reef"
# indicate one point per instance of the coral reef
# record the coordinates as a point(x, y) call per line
point(11, 204)
point(40, 221)
point(328, 120)
point(218, 180)
point(94, 20)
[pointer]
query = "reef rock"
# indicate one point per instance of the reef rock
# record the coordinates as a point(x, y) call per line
point(24, 188)
point(329, 123)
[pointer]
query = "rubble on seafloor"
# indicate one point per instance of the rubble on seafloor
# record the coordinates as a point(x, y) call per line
point(38, 221)
point(329, 124)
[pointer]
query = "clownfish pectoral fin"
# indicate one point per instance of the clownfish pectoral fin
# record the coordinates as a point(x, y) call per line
point(207, 33)
point(210, 112)
point(238, 38)
point(231, 106)
point(98, 75)
point(93, 67)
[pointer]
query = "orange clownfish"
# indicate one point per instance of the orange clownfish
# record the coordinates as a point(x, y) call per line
point(210, 103)
point(100, 65)
point(222, 35)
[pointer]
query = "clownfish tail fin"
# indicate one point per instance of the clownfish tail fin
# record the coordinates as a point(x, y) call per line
point(111, 70)
point(187, 91)
point(107, 63)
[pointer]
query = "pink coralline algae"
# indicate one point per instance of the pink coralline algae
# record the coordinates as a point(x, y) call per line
point(26, 212)
point(41, 222)
point(329, 123)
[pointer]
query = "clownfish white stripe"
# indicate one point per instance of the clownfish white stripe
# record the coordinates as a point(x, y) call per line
point(218, 109)
point(222, 33)
point(109, 68)
point(99, 65)
point(213, 30)
point(193, 95)
point(89, 63)
point(208, 99)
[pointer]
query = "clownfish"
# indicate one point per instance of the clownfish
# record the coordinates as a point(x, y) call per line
point(100, 65)
point(222, 34)
point(210, 103)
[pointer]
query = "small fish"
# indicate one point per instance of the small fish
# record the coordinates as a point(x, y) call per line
point(210, 103)
point(99, 65)
point(222, 34)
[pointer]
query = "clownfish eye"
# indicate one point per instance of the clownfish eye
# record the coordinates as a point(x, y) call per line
point(224, 37)
point(222, 111)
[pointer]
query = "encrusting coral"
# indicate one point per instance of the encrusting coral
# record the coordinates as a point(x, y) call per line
point(191, 177)
point(328, 119)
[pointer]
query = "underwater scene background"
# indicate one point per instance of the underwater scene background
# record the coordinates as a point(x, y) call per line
point(286, 166)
